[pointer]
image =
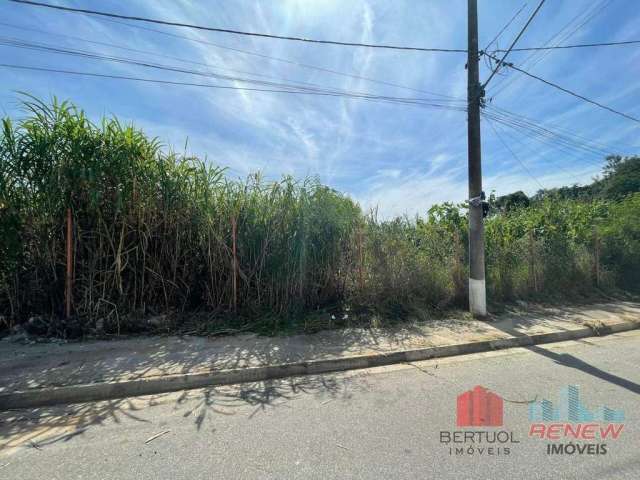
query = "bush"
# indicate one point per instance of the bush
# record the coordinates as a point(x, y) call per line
point(620, 232)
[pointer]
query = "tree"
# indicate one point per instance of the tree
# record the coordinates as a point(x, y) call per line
point(621, 176)
point(514, 200)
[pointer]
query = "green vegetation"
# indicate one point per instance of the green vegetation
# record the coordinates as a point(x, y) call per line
point(155, 232)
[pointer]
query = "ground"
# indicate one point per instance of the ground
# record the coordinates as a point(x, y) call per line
point(377, 423)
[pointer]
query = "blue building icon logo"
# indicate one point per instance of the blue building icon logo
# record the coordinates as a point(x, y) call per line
point(571, 410)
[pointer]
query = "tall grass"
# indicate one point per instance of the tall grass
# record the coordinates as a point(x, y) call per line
point(157, 232)
point(154, 232)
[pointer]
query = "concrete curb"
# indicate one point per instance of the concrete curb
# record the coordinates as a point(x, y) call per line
point(40, 397)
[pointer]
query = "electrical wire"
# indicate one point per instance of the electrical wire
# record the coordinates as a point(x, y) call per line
point(247, 52)
point(538, 56)
point(577, 45)
point(504, 28)
point(280, 59)
point(93, 55)
point(535, 153)
point(579, 156)
point(292, 88)
point(235, 32)
point(400, 100)
point(575, 176)
point(567, 137)
point(237, 50)
point(522, 164)
point(561, 142)
point(498, 114)
point(515, 40)
point(146, 52)
point(332, 42)
point(603, 147)
point(570, 92)
point(547, 136)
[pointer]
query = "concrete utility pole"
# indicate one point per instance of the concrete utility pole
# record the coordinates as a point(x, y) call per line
point(477, 288)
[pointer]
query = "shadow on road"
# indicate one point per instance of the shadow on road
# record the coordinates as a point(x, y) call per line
point(515, 322)
point(55, 365)
point(571, 361)
point(44, 426)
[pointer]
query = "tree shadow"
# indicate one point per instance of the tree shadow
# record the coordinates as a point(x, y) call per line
point(43, 426)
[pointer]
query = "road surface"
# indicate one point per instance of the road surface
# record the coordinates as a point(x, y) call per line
point(377, 423)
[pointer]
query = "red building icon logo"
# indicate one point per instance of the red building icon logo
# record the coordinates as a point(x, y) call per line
point(479, 408)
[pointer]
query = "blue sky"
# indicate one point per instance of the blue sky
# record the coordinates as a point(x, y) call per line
point(401, 158)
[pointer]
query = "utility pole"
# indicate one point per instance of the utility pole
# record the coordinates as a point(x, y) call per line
point(477, 288)
point(475, 94)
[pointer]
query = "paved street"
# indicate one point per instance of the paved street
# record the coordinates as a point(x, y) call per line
point(376, 423)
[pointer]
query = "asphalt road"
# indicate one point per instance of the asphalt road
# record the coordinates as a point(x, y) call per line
point(376, 423)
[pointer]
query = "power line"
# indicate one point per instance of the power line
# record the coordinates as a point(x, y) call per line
point(506, 186)
point(577, 95)
point(504, 28)
point(288, 87)
point(535, 12)
point(486, 59)
point(144, 52)
point(556, 129)
point(235, 32)
point(534, 153)
point(501, 114)
point(562, 142)
point(238, 50)
point(96, 56)
point(92, 55)
point(19, 43)
point(514, 154)
point(533, 130)
point(584, 17)
point(280, 59)
point(577, 45)
point(549, 141)
point(589, 13)
point(332, 42)
point(400, 100)
point(532, 135)
point(567, 138)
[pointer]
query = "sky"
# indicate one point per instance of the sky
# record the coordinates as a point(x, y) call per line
point(398, 158)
